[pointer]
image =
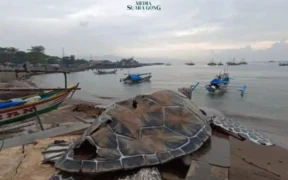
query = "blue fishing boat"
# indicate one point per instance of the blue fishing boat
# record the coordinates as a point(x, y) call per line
point(136, 78)
point(219, 83)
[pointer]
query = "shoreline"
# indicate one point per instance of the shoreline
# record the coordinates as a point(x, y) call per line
point(273, 128)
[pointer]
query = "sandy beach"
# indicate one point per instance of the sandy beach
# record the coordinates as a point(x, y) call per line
point(249, 161)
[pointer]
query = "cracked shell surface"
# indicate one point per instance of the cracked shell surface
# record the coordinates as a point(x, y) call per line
point(162, 127)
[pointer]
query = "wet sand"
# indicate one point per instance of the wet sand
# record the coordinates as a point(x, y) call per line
point(253, 162)
point(275, 129)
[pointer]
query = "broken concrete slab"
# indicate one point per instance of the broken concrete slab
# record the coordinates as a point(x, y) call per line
point(61, 130)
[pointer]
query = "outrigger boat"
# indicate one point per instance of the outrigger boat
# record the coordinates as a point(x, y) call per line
point(20, 109)
point(136, 78)
point(218, 84)
point(105, 72)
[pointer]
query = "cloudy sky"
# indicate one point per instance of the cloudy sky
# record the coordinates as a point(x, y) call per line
point(182, 29)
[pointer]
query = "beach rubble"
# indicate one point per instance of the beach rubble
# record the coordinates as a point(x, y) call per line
point(248, 161)
point(228, 159)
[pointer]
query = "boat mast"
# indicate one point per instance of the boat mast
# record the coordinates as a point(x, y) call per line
point(62, 55)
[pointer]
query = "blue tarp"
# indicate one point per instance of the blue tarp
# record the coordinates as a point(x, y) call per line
point(4, 105)
point(216, 81)
point(135, 77)
point(226, 79)
point(220, 81)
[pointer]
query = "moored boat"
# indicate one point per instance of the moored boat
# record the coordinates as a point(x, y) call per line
point(220, 64)
point(212, 63)
point(243, 62)
point(105, 72)
point(190, 63)
point(233, 63)
point(136, 78)
point(219, 83)
point(283, 63)
point(20, 109)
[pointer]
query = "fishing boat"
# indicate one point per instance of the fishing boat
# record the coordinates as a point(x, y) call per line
point(212, 63)
point(105, 72)
point(283, 64)
point(233, 63)
point(243, 62)
point(20, 109)
point(220, 64)
point(190, 63)
point(218, 84)
point(136, 78)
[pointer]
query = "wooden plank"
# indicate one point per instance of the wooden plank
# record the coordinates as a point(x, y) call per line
point(215, 151)
point(61, 130)
point(86, 121)
point(34, 89)
point(74, 90)
point(38, 118)
point(200, 170)
point(16, 126)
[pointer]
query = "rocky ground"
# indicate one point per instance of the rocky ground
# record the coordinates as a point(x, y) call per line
point(249, 162)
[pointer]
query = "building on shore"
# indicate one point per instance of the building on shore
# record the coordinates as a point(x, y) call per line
point(128, 62)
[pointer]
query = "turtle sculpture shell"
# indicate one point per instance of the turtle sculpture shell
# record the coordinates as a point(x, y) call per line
point(143, 131)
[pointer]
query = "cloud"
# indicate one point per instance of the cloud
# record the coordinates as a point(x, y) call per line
point(277, 51)
point(182, 29)
point(84, 23)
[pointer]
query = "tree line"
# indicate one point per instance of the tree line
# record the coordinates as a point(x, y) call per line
point(34, 55)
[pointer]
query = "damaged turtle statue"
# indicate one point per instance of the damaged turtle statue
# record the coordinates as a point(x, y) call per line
point(142, 132)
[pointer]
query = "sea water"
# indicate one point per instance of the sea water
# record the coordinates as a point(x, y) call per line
point(264, 106)
point(266, 95)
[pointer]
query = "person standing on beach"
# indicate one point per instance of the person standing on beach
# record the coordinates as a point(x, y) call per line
point(25, 66)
